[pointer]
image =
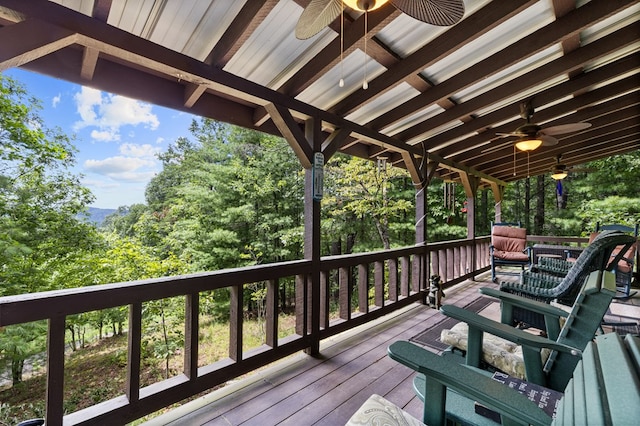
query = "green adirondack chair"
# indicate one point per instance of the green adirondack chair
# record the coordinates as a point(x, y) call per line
point(545, 288)
point(604, 389)
point(565, 344)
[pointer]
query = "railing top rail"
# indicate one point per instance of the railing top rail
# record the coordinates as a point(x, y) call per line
point(37, 306)
point(556, 239)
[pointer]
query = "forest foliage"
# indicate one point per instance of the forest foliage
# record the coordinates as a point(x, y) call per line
point(229, 197)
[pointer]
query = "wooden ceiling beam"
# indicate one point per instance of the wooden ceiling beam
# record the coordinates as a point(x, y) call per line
point(622, 143)
point(121, 79)
point(193, 92)
point(329, 56)
point(334, 142)
point(413, 167)
point(558, 67)
point(479, 143)
point(31, 39)
point(467, 30)
point(614, 118)
point(253, 13)
point(101, 9)
point(552, 94)
point(628, 123)
point(89, 62)
point(566, 26)
point(292, 132)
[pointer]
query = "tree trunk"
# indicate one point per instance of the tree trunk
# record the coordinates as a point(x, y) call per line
point(538, 222)
point(527, 204)
point(72, 329)
point(17, 365)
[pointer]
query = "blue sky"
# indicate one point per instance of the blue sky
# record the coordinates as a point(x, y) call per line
point(117, 138)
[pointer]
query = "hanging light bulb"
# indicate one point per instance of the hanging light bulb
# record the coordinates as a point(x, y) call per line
point(365, 5)
point(341, 83)
point(526, 144)
point(559, 173)
point(362, 6)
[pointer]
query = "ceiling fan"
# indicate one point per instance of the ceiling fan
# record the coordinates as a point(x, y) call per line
point(560, 171)
point(320, 13)
point(531, 136)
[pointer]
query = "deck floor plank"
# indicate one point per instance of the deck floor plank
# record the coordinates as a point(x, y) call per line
point(327, 390)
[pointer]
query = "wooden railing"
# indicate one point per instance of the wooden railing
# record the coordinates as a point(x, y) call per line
point(368, 286)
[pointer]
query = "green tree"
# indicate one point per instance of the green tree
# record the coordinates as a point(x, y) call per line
point(39, 203)
point(365, 196)
point(231, 197)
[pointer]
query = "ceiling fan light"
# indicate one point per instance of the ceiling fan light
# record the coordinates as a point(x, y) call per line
point(365, 5)
point(528, 144)
point(559, 174)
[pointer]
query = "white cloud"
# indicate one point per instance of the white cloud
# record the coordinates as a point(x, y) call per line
point(56, 100)
point(139, 151)
point(100, 183)
point(117, 164)
point(160, 140)
point(108, 113)
point(105, 135)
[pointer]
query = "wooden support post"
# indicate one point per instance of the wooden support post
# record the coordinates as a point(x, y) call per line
point(470, 184)
point(498, 194)
point(313, 134)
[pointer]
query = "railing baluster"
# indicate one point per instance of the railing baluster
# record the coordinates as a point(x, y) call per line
point(55, 371)
point(272, 313)
point(378, 283)
point(324, 299)
point(363, 288)
point(133, 356)
point(405, 276)
point(407, 267)
point(344, 293)
point(301, 299)
point(235, 323)
point(393, 279)
point(191, 332)
point(415, 273)
point(449, 264)
point(435, 262)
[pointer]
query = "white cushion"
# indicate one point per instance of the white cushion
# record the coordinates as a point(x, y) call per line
point(502, 354)
point(377, 411)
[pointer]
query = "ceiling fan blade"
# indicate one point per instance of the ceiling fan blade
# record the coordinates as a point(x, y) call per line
point(565, 128)
point(316, 16)
point(547, 140)
point(434, 12)
point(496, 147)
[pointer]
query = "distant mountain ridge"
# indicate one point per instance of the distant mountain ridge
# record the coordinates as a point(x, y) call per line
point(97, 215)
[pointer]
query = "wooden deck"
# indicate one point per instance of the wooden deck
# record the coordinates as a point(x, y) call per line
point(327, 390)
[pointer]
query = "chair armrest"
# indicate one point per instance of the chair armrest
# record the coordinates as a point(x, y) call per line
point(523, 302)
point(509, 301)
point(531, 344)
point(505, 331)
point(533, 282)
point(443, 372)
